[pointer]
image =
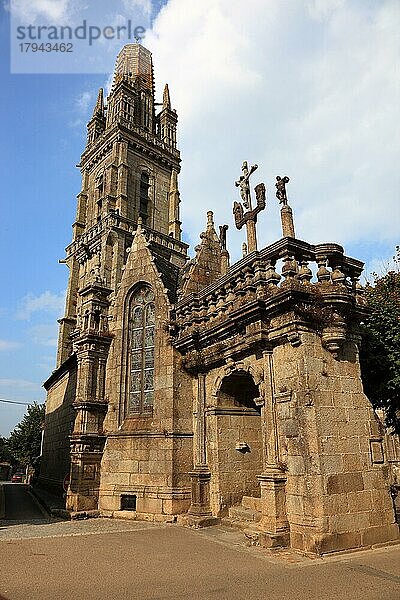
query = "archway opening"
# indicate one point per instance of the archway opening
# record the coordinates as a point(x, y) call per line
point(237, 458)
point(239, 389)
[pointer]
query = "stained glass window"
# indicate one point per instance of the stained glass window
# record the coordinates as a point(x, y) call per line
point(141, 352)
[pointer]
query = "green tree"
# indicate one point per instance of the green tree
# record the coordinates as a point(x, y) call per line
point(24, 441)
point(380, 349)
point(5, 453)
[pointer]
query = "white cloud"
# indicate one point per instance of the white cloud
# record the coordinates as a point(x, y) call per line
point(19, 384)
point(31, 10)
point(84, 101)
point(45, 302)
point(8, 345)
point(144, 6)
point(44, 334)
point(308, 89)
point(380, 266)
point(323, 9)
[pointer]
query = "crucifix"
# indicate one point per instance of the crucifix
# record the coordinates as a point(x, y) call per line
point(248, 218)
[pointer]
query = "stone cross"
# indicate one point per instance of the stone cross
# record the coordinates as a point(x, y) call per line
point(248, 218)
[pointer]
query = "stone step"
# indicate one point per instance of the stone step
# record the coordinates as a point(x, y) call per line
point(251, 502)
point(241, 513)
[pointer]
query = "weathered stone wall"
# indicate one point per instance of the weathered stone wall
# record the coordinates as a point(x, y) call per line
point(146, 456)
point(337, 492)
point(232, 419)
point(159, 179)
point(233, 473)
point(55, 462)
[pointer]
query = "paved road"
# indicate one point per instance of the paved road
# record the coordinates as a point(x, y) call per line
point(116, 560)
point(19, 504)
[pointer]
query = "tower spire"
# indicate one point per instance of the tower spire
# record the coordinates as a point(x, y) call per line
point(134, 61)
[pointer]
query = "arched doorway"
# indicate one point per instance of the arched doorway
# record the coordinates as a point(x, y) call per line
point(235, 442)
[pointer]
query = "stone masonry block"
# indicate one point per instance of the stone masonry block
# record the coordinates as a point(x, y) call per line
point(351, 462)
point(336, 504)
point(332, 464)
point(349, 522)
point(360, 501)
point(340, 541)
point(379, 535)
point(149, 505)
point(344, 482)
point(296, 465)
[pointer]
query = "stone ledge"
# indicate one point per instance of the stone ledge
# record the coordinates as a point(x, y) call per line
point(197, 521)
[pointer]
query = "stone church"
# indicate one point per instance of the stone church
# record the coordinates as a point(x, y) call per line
point(192, 390)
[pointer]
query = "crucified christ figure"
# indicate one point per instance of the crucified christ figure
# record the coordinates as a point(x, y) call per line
point(243, 184)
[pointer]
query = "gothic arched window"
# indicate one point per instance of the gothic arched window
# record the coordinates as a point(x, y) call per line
point(141, 352)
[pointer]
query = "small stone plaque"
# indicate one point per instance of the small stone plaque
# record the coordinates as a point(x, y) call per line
point(376, 450)
point(89, 472)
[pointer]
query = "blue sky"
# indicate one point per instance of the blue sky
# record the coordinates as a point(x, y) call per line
point(306, 88)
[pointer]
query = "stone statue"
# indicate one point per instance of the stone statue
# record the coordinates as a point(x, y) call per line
point(243, 184)
point(222, 235)
point(281, 189)
point(248, 218)
point(260, 195)
point(238, 213)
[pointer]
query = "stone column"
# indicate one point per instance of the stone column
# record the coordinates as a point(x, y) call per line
point(121, 150)
point(287, 222)
point(251, 236)
point(274, 526)
point(224, 262)
point(199, 513)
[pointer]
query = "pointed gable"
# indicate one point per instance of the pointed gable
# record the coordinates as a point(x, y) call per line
point(206, 266)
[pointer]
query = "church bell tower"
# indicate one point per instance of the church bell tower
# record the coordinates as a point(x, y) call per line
point(129, 169)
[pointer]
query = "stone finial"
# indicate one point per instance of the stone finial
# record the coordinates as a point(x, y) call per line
point(99, 107)
point(210, 220)
point(174, 224)
point(166, 97)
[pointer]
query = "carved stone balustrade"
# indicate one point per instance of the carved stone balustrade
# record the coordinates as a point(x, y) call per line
point(87, 242)
point(317, 285)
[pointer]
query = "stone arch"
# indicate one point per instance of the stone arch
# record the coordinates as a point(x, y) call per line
point(254, 371)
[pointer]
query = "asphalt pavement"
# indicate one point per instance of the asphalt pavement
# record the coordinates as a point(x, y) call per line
point(19, 503)
point(112, 559)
